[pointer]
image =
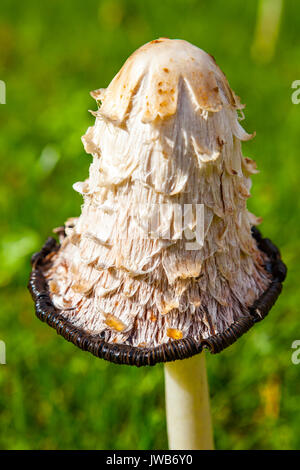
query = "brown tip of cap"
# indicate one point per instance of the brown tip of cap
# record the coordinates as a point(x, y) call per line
point(161, 67)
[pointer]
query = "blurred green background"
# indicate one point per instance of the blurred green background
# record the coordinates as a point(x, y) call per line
point(52, 53)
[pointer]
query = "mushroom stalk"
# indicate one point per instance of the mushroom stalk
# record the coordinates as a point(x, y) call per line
point(187, 404)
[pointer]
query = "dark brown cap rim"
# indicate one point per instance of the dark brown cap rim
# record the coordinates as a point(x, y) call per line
point(171, 351)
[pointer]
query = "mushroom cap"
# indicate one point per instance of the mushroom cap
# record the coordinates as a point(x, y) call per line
point(166, 134)
point(160, 66)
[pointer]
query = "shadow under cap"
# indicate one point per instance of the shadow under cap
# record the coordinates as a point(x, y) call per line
point(171, 351)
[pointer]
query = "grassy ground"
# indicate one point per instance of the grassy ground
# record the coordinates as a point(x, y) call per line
point(52, 395)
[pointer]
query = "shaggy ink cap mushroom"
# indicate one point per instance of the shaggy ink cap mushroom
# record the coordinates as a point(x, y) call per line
point(167, 135)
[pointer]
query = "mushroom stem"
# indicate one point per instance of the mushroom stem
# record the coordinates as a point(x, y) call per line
point(187, 404)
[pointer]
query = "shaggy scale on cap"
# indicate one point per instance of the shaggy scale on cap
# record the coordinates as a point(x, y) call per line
point(123, 283)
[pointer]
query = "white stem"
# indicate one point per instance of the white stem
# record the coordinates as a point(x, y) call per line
point(187, 404)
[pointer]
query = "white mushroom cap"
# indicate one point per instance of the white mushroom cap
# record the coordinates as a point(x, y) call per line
point(167, 133)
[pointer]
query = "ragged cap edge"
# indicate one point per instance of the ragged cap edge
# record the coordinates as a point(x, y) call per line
point(171, 351)
point(161, 67)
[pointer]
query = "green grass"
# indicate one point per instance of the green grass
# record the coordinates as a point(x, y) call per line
point(52, 53)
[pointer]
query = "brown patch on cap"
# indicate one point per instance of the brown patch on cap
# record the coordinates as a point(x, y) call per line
point(75, 238)
point(113, 322)
point(249, 165)
point(220, 142)
point(82, 287)
point(53, 287)
point(174, 333)
point(153, 317)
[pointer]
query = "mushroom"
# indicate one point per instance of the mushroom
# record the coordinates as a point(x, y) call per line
point(125, 282)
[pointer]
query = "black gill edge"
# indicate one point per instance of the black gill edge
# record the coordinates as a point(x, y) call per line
point(171, 351)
